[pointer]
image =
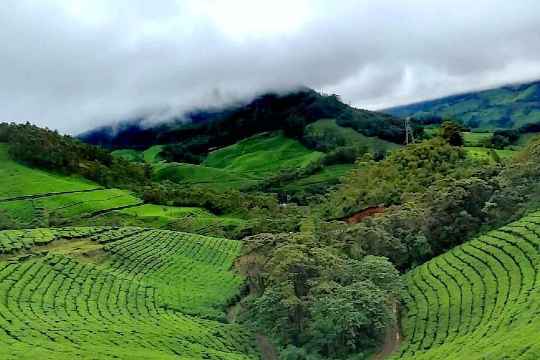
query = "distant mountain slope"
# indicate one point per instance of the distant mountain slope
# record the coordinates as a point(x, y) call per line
point(508, 106)
point(268, 112)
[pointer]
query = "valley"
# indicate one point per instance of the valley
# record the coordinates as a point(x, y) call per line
point(318, 238)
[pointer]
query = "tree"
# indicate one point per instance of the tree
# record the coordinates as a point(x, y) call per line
point(451, 132)
point(293, 126)
point(351, 319)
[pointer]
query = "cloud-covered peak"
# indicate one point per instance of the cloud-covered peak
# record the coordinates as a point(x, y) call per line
point(80, 64)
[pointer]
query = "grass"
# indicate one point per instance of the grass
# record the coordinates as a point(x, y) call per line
point(19, 180)
point(129, 154)
point(190, 174)
point(66, 207)
point(476, 138)
point(127, 293)
point(328, 176)
point(189, 219)
point(327, 129)
point(482, 153)
point(479, 300)
point(262, 155)
point(150, 155)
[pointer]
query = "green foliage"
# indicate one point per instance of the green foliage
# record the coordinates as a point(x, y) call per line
point(408, 170)
point(476, 138)
point(261, 155)
point(476, 301)
point(484, 154)
point(452, 133)
point(294, 126)
point(310, 294)
point(267, 113)
point(48, 150)
point(326, 135)
point(189, 151)
point(505, 107)
point(129, 155)
point(309, 189)
point(150, 155)
point(192, 175)
point(18, 180)
point(349, 319)
point(118, 293)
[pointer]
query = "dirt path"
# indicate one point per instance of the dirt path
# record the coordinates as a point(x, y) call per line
point(392, 338)
point(268, 351)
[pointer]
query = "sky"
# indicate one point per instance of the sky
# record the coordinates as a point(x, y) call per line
point(75, 65)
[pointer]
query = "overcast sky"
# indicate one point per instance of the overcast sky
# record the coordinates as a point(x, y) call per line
point(73, 65)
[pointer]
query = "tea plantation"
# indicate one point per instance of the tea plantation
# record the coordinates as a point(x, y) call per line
point(480, 300)
point(129, 293)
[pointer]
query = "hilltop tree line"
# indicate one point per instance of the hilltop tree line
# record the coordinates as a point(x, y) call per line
point(189, 139)
point(49, 150)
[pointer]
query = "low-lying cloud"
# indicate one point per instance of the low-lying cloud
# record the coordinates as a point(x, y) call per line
point(76, 65)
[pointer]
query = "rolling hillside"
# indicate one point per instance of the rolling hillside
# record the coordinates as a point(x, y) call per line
point(478, 301)
point(30, 197)
point(510, 106)
point(118, 293)
point(262, 155)
point(19, 181)
point(267, 112)
point(192, 174)
point(150, 155)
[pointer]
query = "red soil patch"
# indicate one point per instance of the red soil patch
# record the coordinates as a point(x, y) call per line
point(359, 216)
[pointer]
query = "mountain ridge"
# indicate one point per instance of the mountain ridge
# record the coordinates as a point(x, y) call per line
point(506, 106)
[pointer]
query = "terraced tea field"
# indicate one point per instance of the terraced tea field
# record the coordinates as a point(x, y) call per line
point(191, 174)
point(124, 293)
point(480, 300)
point(19, 181)
point(261, 155)
point(67, 206)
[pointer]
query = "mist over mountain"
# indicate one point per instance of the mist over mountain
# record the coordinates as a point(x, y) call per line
point(509, 106)
point(268, 112)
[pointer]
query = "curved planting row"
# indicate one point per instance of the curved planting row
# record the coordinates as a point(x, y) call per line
point(153, 295)
point(481, 300)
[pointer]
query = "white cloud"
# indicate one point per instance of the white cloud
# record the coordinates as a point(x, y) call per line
point(79, 64)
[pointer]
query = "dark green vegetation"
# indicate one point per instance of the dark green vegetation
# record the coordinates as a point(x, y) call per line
point(479, 300)
point(270, 112)
point(510, 106)
point(118, 293)
point(330, 214)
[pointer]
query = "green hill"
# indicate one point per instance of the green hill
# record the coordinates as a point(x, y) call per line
point(191, 174)
point(261, 155)
point(150, 155)
point(479, 300)
point(18, 180)
point(30, 197)
point(326, 134)
point(510, 106)
point(128, 293)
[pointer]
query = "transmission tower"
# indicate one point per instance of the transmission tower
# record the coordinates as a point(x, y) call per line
point(409, 135)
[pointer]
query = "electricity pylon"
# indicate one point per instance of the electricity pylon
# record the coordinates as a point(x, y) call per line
point(409, 135)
